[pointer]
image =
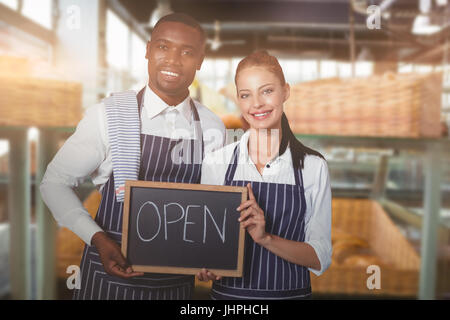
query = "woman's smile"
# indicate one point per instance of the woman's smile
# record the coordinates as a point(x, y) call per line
point(259, 116)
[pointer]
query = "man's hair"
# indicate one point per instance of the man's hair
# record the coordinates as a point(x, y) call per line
point(184, 19)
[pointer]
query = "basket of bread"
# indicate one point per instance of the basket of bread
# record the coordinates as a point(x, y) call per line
point(30, 100)
point(389, 105)
point(370, 254)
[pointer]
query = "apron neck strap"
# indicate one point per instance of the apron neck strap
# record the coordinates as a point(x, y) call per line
point(232, 166)
point(229, 176)
point(197, 125)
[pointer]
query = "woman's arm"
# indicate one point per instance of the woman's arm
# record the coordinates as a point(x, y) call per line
point(315, 253)
point(252, 218)
point(296, 252)
point(318, 224)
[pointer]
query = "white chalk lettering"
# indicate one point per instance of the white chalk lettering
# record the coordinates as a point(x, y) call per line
point(165, 216)
point(179, 214)
point(221, 235)
point(137, 221)
point(186, 222)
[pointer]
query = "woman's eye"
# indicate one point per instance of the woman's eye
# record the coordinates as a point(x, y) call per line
point(243, 96)
point(187, 53)
point(267, 91)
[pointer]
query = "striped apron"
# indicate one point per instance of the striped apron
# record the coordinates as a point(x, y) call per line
point(156, 165)
point(265, 275)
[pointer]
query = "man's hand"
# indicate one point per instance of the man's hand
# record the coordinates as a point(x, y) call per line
point(113, 261)
point(206, 275)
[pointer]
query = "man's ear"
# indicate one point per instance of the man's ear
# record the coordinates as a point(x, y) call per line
point(147, 52)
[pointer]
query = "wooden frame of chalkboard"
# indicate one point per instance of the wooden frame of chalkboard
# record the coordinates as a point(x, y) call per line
point(235, 268)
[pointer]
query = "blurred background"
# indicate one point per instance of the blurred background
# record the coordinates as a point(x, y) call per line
point(370, 89)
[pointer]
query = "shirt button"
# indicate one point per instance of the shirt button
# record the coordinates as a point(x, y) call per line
point(267, 165)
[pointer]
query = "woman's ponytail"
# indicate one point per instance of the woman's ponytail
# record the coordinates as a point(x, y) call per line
point(298, 150)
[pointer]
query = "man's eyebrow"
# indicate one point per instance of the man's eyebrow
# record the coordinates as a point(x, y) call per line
point(183, 45)
point(189, 46)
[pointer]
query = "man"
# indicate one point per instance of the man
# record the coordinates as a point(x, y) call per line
point(128, 138)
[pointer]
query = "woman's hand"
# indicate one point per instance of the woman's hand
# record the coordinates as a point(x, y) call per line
point(113, 261)
point(206, 275)
point(252, 218)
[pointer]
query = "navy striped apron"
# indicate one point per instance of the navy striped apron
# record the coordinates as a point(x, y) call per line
point(156, 165)
point(265, 275)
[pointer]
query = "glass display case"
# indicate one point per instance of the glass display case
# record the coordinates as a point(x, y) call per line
point(411, 179)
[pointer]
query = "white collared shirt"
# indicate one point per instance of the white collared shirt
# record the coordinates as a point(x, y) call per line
point(87, 154)
point(315, 181)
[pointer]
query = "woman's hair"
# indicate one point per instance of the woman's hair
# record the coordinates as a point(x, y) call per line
point(270, 63)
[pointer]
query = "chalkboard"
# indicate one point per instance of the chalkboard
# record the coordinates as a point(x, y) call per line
point(182, 228)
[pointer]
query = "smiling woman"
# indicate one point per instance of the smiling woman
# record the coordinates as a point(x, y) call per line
point(288, 213)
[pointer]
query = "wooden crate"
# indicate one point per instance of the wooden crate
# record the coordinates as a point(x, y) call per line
point(39, 102)
point(395, 105)
point(399, 262)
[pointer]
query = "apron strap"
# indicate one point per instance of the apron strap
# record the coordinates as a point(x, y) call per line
point(197, 127)
point(298, 175)
point(232, 166)
point(140, 99)
point(197, 133)
point(231, 170)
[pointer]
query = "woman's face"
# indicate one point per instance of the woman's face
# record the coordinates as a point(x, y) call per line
point(260, 97)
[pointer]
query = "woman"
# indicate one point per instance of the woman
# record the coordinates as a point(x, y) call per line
point(288, 214)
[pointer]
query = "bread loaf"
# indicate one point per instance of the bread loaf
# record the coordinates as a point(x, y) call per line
point(231, 121)
point(362, 260)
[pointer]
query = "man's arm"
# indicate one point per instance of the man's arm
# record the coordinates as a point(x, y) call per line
point(78, 158)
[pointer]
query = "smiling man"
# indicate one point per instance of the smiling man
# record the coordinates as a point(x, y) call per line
point(174, 54)
point(131, 137)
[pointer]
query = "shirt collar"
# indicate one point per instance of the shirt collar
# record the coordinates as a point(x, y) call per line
point(154, 105)
point(244, 155)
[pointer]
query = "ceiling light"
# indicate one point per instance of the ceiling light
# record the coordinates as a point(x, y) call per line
point(162, 9)
point(422, 23)
point(423, 26)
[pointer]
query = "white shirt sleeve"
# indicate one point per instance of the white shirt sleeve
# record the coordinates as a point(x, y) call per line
point(318, 228)
point(78, 158)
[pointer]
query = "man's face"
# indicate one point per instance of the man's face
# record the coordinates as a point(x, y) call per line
point(174, 54)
